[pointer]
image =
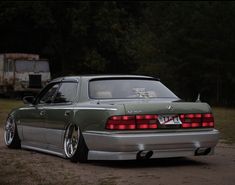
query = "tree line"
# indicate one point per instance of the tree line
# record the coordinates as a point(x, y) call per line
point(189, 45)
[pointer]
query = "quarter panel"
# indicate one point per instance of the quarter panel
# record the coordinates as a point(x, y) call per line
point(94, 116)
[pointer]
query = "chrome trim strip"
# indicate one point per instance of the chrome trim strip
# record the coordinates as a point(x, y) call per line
point(29, 108)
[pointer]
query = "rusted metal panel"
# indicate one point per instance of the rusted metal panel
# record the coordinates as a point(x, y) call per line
point(21, 56)
point(18, 79)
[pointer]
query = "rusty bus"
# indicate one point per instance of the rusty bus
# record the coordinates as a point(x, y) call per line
point(21, 72)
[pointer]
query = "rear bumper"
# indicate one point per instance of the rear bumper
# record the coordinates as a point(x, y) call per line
point(125, 146)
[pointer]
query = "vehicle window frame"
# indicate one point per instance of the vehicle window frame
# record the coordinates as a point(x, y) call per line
point(46, 89)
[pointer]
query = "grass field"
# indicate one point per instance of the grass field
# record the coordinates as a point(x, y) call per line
point(225, 123)
point(6, 105)
point(224, 117)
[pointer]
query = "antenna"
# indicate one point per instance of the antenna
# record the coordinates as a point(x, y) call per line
point(198, 98)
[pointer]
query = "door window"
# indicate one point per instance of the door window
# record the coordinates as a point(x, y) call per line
point(49, 95)
point(66, 93)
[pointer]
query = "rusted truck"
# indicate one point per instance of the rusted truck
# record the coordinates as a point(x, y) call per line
point(22, 73)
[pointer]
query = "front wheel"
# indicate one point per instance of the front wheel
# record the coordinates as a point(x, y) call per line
point(74, 145)
point(11, 137)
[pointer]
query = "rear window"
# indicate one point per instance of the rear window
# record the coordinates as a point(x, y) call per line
point(128, 88)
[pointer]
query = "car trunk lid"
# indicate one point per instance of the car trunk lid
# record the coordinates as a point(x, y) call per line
point(168, 115)
point(166, 108)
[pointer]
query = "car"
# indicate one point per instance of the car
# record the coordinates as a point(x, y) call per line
point(111, 117)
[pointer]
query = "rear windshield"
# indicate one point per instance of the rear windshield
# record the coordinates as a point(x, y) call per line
point(128, 88)
point(31, 66)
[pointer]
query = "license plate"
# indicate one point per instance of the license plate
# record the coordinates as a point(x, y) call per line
point(169, 120)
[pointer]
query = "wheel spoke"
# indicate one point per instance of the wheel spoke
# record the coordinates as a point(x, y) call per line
point(7, 137)
point(71, 149)
point(68, 146)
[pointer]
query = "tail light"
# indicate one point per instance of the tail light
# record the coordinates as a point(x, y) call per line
point(121, 123)
point(146, 121)
point(137, 122)
point(132, 122)
point(208, 120)
point(197, 120)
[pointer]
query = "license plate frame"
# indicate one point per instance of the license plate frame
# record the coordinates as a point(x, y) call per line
point(169, 120)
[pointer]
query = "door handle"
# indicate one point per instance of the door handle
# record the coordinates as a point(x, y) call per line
point(67, 113)
point(42, 113)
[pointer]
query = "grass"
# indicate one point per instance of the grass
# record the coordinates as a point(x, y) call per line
point(224, 118)
point(225, 123)
point(6, 105)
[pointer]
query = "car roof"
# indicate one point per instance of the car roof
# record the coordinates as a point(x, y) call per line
point(91, 77)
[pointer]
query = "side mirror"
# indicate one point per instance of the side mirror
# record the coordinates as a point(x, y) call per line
point(28, 99)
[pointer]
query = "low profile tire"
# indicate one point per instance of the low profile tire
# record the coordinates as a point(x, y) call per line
point(74, 145)
point(11, 137)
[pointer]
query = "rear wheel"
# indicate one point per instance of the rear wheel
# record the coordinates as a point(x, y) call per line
point(11, 137)
point(74, 145)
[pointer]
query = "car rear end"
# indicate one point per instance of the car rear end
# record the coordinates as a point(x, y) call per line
point(163, 134)
point(153, 128)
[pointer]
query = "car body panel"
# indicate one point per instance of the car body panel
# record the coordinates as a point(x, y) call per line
point(57, 119)
point(31, 123)
point(127, 145)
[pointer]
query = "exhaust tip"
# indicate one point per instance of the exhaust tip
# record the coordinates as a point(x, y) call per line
point(143, 155)
point(202, 151)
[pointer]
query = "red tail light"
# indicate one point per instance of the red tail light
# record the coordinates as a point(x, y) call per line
point(132, 122)
point(207, 120)
point(197, 120)
point(151, 121)
point(146, 121)
point(121, 123)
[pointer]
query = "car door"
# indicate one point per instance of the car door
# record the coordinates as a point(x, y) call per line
point(33, 118)
point(59, 114)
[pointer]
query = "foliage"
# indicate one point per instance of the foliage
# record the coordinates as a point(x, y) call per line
point(189, 45)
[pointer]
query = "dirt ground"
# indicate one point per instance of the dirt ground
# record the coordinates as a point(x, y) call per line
point(28, 167)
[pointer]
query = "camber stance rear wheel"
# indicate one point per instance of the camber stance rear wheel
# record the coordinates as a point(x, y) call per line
point(74, 145)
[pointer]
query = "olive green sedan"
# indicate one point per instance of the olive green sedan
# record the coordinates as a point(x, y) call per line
point(111, 117)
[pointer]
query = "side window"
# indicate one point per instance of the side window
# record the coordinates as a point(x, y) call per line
point(48, 96)
point(66, 93)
